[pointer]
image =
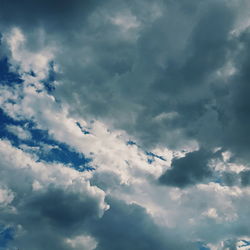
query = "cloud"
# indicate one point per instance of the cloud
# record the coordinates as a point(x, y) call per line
point(168, 69)
point(191, 169)
point(19, 132)
point(57, 15)
point(174, 66)
point(245, 178)
point(82, 243)
point(129, 227)
point(148, 91)
point(165, 67)
point(6, 196)
point(44, 201)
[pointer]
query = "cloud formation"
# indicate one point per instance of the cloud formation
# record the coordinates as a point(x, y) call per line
point(124, 125)
point(135, 74)
point(188, 170)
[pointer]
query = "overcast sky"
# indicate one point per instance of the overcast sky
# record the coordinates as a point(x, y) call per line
point(124, 125)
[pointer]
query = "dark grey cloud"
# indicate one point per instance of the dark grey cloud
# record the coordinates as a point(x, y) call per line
point(230, 179)
point(51, 216)
point(191, 169)
point(245, 178)
point(137, 77)
point(169, 69)
point(62, 209)
point(44, 210)
point(241, 179)
point(46, 22)
point(54, 14)
point(130, 227)
point(235, 106)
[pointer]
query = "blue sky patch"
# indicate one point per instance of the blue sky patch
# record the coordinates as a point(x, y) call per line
point(50, 150)
point(6, 76)
point(131, 143)
point(6, 235)
point(85, 131)
point(155, 156)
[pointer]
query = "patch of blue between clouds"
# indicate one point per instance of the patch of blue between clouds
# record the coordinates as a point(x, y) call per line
point(10, 78)
point(56, 152)
point(155, 156)
point(131, 143)
point(218, 179)
point(84, 131)
point(49, 82)
point(202, 246)
point(7, 77)
point(151, 155)
point(245, 243)
point(60, 152)
point(6, 235)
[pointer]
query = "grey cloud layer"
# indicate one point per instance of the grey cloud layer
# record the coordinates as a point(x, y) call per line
point(188, 170)
point(164, 63)
point(132, 228)
point(167, 72)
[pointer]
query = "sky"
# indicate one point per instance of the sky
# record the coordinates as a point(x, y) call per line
point(124, 125)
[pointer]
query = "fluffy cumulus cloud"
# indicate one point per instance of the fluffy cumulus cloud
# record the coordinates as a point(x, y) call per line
point(124, 125)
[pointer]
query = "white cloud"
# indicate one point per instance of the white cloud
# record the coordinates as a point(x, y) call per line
point(84, 242)
point(6, 196)
point(24, 60)
point(19, 132)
